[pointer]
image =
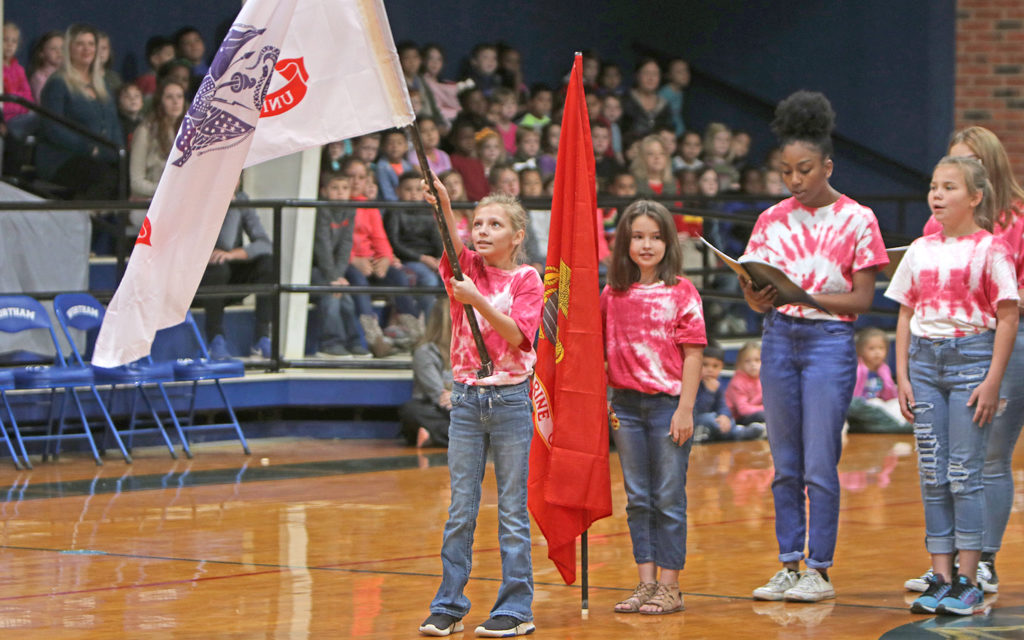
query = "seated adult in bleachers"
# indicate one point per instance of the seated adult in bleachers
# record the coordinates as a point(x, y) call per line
point(152, 143)
point(643, 109)
point(78, 92)
point(46, 58)
point(237, 261)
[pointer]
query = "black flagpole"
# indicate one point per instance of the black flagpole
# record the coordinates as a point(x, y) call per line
point(585, 575)
point(486, 366)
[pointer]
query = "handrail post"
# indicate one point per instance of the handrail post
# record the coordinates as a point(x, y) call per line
point(275, 300)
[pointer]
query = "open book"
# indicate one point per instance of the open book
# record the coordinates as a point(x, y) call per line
point(895, 256)
point(762, 274)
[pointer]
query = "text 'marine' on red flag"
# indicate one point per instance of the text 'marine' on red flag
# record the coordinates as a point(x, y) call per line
point(569, 485)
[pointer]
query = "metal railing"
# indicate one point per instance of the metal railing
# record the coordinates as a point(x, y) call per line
point(701, 207)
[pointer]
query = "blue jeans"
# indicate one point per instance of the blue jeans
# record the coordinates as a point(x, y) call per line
point(425, 277)
point(808, 370)
point(496, 418)
point(338, 324)
point(654, 474)
point(1002, 438)
point(393, 278)
point(950, 446)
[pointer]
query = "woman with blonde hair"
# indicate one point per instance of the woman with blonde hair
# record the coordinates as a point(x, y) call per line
point(78, 92)
point(652, 169)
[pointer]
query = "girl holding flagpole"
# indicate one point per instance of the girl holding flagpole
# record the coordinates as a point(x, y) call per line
point(491, 413)
point(654, 342)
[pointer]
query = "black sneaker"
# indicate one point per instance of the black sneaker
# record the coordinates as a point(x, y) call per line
point(358, 350)
point(440, 624)
point(504, 627)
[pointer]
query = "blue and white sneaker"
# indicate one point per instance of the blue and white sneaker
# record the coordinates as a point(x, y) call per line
point(964, 599)
point(936, 590)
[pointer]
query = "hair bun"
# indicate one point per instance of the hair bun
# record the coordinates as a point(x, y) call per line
point(804, 115)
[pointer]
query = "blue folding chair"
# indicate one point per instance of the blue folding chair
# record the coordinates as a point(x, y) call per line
point(7, 383)
point(84, 312)
point(196, 370)
point(21, 313)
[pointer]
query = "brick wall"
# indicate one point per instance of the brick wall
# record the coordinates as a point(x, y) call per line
point(990, 71)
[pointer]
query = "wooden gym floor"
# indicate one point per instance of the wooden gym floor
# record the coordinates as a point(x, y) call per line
point(340, 539)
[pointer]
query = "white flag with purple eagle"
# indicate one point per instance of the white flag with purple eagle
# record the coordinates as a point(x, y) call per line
point(290, 75)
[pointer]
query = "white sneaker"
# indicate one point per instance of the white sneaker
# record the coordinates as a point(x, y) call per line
point(919, 584)
point(811, 587)
point(987, 579)
point(782, 581)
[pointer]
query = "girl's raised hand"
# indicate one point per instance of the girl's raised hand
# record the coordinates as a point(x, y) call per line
point(906, 398)
point(441, 191)
point(985, 400)
point(682, 426)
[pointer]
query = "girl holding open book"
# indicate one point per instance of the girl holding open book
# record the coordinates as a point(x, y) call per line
point(831, 246)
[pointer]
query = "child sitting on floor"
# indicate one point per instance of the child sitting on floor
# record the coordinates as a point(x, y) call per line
point(875, 407)
point(712, 419)
point(744, 393)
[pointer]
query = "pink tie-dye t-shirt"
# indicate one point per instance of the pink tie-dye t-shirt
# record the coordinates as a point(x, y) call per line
point(644, 327)
point(1012, 235)
point(519, 295)
point(819, 249)
point(954, 284)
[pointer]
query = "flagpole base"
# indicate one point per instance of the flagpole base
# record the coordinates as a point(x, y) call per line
point(585, 613)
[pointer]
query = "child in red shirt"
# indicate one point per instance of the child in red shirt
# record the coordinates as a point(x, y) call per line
point(744, 392)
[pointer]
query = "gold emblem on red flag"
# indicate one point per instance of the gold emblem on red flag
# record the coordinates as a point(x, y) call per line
point(556, 281)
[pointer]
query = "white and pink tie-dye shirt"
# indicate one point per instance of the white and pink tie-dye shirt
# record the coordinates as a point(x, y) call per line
point(644, 328)
point(1012, 235)
point(819, 249)
point(954, 284)
point(519, 295)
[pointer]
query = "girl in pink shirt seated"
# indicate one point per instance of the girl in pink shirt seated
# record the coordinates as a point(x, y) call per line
point(874, 408)
point(957, 290)
point(491, 412)
point(743, 395)
point(654, 343)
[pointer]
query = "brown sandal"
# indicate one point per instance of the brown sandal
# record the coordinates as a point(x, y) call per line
point(641, 594)
point(667, 598)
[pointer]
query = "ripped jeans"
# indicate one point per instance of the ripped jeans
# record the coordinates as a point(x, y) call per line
point(950, 446)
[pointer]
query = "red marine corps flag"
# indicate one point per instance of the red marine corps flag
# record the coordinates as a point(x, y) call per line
point(290, 75)
point(569, 486)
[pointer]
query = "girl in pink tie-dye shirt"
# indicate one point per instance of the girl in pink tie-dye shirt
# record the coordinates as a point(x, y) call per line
point(489, 413)
point(957, 290)
point(831, 246)
point(654, 343)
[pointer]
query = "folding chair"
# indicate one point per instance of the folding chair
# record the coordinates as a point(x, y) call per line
point(21, 313)
point(195, 370)
point(7, 383)
point(84, 312)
